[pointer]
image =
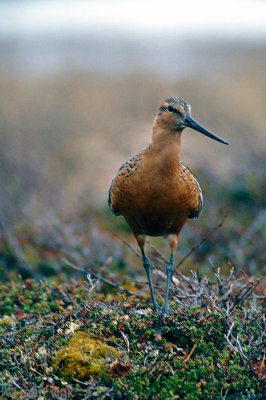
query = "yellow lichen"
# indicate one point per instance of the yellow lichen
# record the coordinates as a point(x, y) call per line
point(7, 320)
point(83, 357)
point(127, 285)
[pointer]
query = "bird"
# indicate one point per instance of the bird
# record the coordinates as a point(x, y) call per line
point(155, 191)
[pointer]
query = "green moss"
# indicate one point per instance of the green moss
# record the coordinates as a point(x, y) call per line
point(82, 357)
point(155, 361)
point(204, 373)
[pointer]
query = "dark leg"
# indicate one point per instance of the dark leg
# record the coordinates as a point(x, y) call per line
point(147, 267)
point(169, 273)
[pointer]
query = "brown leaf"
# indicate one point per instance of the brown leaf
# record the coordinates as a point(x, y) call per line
point(259, 368)
point(28, 284)
point(169, 346)
point(127, 305)
point(120, 326)
point(117, 368)
point(19, 314)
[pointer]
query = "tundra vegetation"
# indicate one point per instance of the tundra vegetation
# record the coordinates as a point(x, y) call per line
point(75, 315)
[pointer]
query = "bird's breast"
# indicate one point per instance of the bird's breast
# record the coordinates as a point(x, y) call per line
point(159, 206)
point(154, 198)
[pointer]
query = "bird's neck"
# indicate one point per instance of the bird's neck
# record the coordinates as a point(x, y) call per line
point(167, 145)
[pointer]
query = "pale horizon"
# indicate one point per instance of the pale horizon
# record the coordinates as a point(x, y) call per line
point(233, 19)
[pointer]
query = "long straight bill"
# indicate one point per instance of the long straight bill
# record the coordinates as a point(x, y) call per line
point(194, 125)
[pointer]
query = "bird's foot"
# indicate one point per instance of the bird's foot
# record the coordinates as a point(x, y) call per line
point(156, 307)
point(165, 310)
point(162, 310)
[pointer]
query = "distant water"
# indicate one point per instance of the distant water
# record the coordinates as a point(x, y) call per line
point(111, 37)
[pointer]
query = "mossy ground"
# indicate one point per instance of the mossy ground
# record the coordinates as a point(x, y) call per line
point(83, 357)
point(187, 356)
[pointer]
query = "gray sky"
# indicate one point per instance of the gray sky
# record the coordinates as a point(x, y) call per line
point(215, 18)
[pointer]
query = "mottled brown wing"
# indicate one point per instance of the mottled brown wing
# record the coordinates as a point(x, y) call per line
point(114, 210)
point(124, 172)
point(195, 214)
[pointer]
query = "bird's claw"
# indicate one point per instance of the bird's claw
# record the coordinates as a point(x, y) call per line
point(166, 311)
point(162, 310)
point(156, 308)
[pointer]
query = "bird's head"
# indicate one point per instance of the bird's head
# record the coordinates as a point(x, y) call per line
point(174, 115)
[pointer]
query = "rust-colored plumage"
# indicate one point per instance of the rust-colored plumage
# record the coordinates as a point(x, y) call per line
point(154, 191)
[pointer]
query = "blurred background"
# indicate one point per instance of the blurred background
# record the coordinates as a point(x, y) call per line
point(80, 83)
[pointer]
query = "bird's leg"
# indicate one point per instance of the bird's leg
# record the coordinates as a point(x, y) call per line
point(169, 270)
point(169, 273)
point(147, 267)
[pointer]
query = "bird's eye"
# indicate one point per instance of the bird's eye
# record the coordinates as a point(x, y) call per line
point(171, 109)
